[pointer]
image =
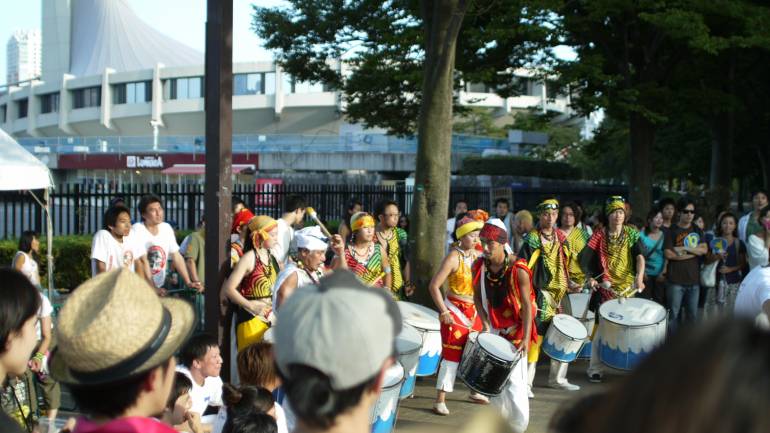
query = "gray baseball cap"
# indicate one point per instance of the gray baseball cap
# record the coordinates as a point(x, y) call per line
point(339, 327)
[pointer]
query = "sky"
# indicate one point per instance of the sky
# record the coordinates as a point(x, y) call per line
point(183, 20)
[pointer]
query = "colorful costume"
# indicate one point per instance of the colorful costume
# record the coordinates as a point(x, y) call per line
point(371, 271)
point(577, 239)
point(236, 246)
point(397, 254)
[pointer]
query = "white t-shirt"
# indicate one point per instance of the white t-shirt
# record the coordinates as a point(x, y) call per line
point(757, 252)
point(210, 394)
point(114, 254)
point(45, 310)
point(283, 241)
point(159, 248)
point(29, 268)
point(280, 420)
point(754, 291)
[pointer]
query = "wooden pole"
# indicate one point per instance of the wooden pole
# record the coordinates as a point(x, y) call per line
point(219, 127)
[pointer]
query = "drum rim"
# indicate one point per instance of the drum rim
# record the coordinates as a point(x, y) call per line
point(562, 332)
point(603, 318)
point(492, 354)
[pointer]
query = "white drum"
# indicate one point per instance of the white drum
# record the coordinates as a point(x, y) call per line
point(629, 330)
point(564, 338)
point(385, 410)
point(408, 344)
point(426, 322)
point(574, 304)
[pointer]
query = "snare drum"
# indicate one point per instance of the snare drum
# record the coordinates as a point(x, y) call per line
point(564, 338)
point(487, 362)
point(408, 344)
point(629, 330)
point(385, 410)
point(426, 322)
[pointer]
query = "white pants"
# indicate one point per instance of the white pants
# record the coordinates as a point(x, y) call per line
point(447, 373)
point(558, 373)
point(513, 402)
point(595, 365)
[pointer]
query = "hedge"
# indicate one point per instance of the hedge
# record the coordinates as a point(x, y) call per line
point(72, 257)
point(518, 166)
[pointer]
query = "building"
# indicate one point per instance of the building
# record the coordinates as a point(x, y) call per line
point(23, 56)
point(112, 87)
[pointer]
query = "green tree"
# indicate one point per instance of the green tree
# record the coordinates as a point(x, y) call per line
point(404, 60)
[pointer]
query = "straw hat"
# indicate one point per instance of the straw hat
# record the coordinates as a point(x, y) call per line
point(114, 326)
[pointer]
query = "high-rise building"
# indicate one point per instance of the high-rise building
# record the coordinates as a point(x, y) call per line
point(23, 56)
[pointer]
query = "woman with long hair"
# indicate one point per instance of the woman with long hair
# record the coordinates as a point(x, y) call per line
point(25, 261)
point(655, 261)
point(731, 260)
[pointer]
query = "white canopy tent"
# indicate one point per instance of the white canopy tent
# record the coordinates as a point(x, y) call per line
point(20, 170)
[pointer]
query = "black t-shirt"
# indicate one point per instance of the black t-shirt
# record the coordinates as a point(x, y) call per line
point(685, 272)
point(8, 425)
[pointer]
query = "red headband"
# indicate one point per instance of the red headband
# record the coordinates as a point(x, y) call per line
point(494, 233)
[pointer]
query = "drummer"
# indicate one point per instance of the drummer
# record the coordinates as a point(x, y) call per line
point(501, 288)
point(614, 253)
point(458, 312)
point(547, 252)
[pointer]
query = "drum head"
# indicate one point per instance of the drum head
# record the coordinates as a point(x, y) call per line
point(393, 375)
point(570, 326)
point(496, 346)
point(576, 304)
point(632, 312)
point(408, 340)
point(418, 316)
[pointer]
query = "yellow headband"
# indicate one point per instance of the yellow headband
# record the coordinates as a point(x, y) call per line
point(259, 227)
point(361, 220)
point(468, 227)
point(549, 204)
point(614, 203)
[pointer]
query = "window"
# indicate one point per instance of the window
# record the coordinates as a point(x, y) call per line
point(22, 105)
point(290, 85)
point(87, 97)
point(49, 103)
point(249, 84)
point(269, 83)
point(133, 93)
point(184, 88)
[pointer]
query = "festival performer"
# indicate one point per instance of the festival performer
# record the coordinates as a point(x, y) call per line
point(547, 252)
point(239, 229)
point(364, 256)
point(505, 301)
point(614, 253)
point(577, 238)
point(309, 266)
point(250, 286)
point(458, 310)
point(396, 242)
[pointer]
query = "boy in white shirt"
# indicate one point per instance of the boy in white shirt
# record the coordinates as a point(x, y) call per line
point(200, 361)
point(157, 238)
point(113, 247)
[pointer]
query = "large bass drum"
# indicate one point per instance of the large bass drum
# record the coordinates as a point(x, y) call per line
point(487, 362)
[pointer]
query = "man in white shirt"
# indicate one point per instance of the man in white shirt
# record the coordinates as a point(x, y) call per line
point(460, 207)
point(503, 212)
point(114, 247)
point(200, 360)
point(293, 214)
point(754, 294)
point(157, 238)
point(748, 224)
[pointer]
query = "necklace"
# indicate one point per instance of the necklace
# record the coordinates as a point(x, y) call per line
point(495, 278)
point(365, 256)
point(390, 233)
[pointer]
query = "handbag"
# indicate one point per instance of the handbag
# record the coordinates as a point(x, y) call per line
point(708, 274)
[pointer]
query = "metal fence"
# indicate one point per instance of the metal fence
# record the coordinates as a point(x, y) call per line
point(78, 209)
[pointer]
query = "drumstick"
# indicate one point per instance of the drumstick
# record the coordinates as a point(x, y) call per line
point(314, 216)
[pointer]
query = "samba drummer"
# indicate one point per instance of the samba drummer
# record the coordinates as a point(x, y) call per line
point(548, 254)
point(458, 311)
point(615, 253)
point(506, 303)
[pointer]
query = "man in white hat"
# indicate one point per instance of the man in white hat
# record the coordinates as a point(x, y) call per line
point(116, 345)
point(311, 252)
point(334, 342)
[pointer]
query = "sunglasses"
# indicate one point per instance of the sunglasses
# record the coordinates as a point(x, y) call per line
point(688, 211)
point(548, 206)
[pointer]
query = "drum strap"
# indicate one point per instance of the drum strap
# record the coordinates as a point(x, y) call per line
point(463, 318)
point(482, 282)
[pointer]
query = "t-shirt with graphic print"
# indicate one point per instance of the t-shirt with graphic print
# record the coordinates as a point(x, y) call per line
point(684, 272)
point(159, 249)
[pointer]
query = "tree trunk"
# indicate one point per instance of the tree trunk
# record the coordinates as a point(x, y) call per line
point(764, 164)
point(432, 176)
point(642, 133)
point(722, 150)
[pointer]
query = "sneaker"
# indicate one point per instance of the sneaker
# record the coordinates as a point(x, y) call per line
point(595, 378)
point(440, 409)
point(566, 386)
point(479, 398)
point(530, 394)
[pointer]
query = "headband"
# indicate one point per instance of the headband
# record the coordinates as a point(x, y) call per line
point(549, 204)
point(241, 218)
point(361, 220)
point(494, 230)
point(259, 227)
point(614, 203)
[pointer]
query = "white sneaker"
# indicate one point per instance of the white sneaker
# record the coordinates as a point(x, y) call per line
point(479, 398)
point(440, 409)
point(530, 394)
point(566, 386)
